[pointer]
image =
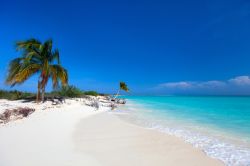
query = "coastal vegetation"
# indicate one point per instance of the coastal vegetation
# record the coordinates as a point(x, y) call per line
point(37, 58)
point(66, 91)
point(73, 91)
point(15, 95)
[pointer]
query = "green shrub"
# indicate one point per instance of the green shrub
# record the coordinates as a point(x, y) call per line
point(68, 91)
point(14, 95)
point(91, 93)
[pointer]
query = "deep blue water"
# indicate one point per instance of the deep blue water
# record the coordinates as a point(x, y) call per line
point(218, 125)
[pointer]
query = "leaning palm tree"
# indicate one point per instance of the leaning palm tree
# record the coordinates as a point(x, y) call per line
point(123, 86)
point(37, 58)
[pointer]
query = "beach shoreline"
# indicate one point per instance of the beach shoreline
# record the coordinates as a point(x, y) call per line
point(117, 142)
point(76, 134)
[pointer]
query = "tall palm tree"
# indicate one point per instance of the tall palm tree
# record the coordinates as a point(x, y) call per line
point(123, 86)
point(37, 58)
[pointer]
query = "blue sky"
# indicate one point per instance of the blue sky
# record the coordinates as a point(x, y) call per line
point(157, 47)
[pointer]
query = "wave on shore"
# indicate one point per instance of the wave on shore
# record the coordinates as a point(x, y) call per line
point(216, 144)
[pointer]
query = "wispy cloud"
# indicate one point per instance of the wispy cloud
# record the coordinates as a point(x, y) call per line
point(190, 85)
point(238, 85)
point(181, 85)
point(241, 80)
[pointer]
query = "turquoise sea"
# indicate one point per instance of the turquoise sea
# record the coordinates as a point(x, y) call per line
point(220, 126)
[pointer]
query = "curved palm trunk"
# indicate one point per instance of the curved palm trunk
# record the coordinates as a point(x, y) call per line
point(117, 93)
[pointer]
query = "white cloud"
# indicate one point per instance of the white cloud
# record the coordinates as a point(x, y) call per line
point(189, 85)
point(181, 85)
point(237, 85)
point(241, 80)
point(211, 84)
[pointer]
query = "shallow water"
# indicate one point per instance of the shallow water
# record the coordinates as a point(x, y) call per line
point(220, 126)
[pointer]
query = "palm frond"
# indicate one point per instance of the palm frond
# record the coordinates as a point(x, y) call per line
point(14, 68)
point(20, 45)
point(55, 56)
point(26, 72)
point(31, 54)
point(57, 73)
point(46, 49)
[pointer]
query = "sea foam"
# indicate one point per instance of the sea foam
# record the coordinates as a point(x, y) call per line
point(232, 154)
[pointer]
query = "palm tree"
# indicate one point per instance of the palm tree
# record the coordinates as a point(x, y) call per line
point(37, 58)
point(123, 86)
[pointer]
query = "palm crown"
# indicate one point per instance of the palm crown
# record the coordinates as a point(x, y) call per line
point(123, 86)
point(37, 58)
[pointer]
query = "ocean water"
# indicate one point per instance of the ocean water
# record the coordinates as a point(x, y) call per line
point(220, 126)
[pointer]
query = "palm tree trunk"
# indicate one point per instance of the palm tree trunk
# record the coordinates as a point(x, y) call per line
point(38, 93)
point(43, 93)
point(117, 93)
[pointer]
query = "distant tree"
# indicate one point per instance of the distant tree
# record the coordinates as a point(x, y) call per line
point(123, 86)
point(37, 58)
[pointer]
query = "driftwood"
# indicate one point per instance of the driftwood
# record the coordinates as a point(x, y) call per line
point(56, 100)
point(14, 114)
point(97, 102)
point(113, 106)
point(93, 103)
point(119, 101)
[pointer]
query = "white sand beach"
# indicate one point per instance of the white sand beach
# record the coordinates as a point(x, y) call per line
point(73, 134)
